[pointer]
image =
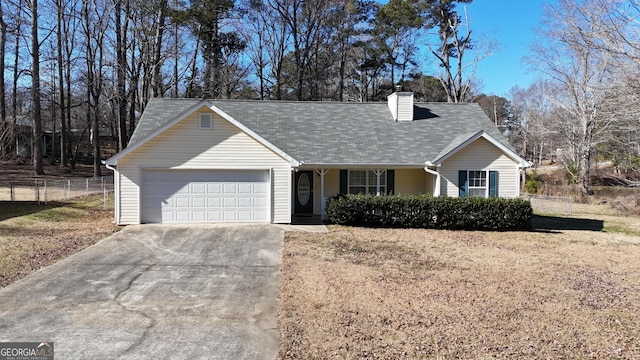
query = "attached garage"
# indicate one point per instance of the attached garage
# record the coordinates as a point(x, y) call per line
point(199, 196)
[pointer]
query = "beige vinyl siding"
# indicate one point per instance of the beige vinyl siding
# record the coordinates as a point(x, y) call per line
point(480, 155)
point(331, 187)
point(186, 146)
point(410, 182)
point(407, 181)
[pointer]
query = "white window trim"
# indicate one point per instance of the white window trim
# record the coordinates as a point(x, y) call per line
point(207, 118)
point(486, 186)
point(383, 185)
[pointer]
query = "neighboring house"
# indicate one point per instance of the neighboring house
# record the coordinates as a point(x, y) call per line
point(21, 133)
point(195, 160)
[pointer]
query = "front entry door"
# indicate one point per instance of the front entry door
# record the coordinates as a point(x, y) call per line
point(303, 193)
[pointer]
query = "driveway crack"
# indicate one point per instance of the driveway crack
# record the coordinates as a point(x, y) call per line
point(130, 283)
point(151, 321)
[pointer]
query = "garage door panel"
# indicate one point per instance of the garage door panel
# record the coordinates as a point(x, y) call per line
point(260, 202)
point(245, 188)
point(214, 215)
point(204, 196)
point(230, 202)
point(199, 216)
point(245, 202)
point(214, 189)
point(182, 216)
point(230, 188)
point(199, 202)
point(183, 202)
point(167, 216)
point(245, 215)
point(230, 215)
point(198, 188)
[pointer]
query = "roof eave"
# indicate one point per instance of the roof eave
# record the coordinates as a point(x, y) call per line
point(305, 165)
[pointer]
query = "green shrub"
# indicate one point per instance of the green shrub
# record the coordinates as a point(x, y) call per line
point(533, 183)
point(429, 212)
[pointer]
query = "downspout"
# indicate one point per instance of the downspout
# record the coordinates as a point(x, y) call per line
point(116, 190)
point(522, 175)
point(437, 174)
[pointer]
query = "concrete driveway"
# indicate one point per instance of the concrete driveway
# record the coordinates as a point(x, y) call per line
point(155, 292)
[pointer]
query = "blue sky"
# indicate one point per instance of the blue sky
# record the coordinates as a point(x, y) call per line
point(511, 25)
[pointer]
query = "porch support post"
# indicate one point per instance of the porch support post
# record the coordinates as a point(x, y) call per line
point(378, 172)
point(323, 201)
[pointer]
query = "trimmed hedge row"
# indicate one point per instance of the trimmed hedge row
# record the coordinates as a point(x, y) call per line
point(424, 211)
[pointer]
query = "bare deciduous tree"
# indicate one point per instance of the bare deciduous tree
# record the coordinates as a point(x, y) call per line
point(573, 58)
point(4, 126)
point(454, 35)
point(36, 116)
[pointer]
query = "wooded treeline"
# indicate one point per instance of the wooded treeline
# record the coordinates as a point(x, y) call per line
point(77, 71)
point(586, 105)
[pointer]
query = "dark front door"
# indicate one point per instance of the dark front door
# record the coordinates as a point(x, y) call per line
point(303, 193)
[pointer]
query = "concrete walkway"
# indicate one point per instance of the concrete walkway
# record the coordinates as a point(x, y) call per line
point(156, 292)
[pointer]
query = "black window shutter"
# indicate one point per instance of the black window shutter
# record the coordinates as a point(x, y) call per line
point(391, 182)
point(463, 185)
point(493, 183)
point(344, 179)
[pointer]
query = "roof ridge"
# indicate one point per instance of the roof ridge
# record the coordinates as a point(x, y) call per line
point(268, 101)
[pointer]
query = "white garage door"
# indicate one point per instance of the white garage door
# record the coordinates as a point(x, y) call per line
point(181, 196)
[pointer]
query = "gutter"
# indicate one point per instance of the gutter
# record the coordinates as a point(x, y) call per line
point(361, 165)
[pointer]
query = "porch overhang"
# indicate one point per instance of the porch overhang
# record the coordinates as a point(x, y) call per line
point(310, 166)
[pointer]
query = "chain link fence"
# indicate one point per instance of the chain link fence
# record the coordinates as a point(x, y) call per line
point(550, 204)
point(44, 191)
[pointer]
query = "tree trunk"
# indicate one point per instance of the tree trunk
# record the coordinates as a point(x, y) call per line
point(52, 155)
point(36, 139)
point(97, 170)
point(68, 51)
point(121, 55)
point(175, 84)
point(16, 76)
point(156, 81)
point(61, 85)
point(584, 157)
point(4, 126)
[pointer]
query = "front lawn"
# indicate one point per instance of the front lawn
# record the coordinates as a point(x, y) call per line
point(33, 236)
point(560, 292)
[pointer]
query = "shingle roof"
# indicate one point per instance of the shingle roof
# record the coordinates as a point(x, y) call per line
point(340, 133)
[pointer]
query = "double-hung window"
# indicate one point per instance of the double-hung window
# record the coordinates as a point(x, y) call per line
point(477, 183)
point(366, 182)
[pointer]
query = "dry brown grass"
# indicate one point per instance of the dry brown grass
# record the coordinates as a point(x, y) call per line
point(34, 236)
point(399, 293)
